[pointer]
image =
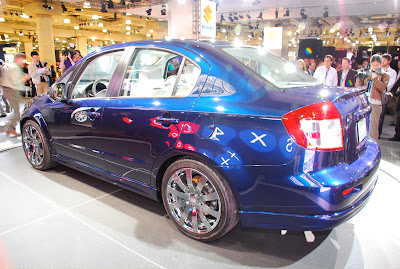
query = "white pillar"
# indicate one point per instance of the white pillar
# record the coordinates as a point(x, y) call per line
point(180, 19)
point(44, 31)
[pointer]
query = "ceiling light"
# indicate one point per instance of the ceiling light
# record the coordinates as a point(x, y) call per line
point(287, 13)
point(148, 35)
point(151, 31)
point(128, 28)
point(95, 17)
point(103, 8)
point(2, 19)
point(76, 27)
point(64, 9)
point(67, 21)
point(148, 12)
point(128, 21)
point(128, 33)
point(326, 14)
point(86, 5)
point(110, 4)
point(100, 24)
point(23, 15)
point(104, 31)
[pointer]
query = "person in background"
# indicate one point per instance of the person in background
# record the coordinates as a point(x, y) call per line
point(346, 76)
point(53, 75)
point(364, 63)
point(338, 65)
point(395, 98)
point(311, 68)
point(307, 62)
point(28, 83)
point(396, 92)
point(301, 65)
point(386, 60)
point(39, 73)
point(326, 74)
point(376, 84)
point(12, 81)
point(68, 59)
point(79, 56)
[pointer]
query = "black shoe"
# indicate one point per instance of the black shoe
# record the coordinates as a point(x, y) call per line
point(392, 124)
point(3, 115)
point(395, 138)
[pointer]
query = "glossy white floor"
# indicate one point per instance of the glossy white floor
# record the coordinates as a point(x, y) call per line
point(65, 219)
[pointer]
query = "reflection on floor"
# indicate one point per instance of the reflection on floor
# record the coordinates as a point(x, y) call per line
point(62, 218)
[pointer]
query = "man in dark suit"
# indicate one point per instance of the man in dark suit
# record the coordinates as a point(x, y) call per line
point(346, 76)
point(396, 91)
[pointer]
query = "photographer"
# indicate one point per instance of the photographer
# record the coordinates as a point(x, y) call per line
point(39, 72)
point(68, 59)
point(376, 83)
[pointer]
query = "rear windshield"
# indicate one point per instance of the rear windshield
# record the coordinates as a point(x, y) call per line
point(274, 69)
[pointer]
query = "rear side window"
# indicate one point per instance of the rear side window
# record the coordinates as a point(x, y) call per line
point(154, 73)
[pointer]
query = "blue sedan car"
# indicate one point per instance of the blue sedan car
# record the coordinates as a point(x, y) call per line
point(218, 133)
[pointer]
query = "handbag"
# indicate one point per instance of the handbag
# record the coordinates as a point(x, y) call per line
point(385, 97)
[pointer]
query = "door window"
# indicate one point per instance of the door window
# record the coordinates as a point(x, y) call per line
point(96, 77)
point(153, 73)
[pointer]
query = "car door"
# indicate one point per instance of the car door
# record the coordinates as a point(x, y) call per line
point(75, 125)
point(148, 112)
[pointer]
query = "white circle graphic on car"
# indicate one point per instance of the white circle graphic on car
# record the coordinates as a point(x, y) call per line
point(81, 116)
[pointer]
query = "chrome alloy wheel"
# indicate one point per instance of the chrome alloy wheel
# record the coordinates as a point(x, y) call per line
point(33, 145)
point(193, 200)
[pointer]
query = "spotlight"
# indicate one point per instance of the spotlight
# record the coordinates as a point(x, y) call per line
point(110, 4)
point(326, 14)
point(250, 27)
point(78, 9)
point(278, 23)
point(387, 32)
point(303, 15)
point(257, 24)
point(115, 16)
point(260, 16)
point(103, 8)
point(248, 16)
point(360, 32)
point(235, 17)
point(256, 2)
point(276, 13)
point(46, 6)
point(222, 18)
point(230, 17)
point(241, 17)
point(163, 10)
point(287, 13)
point(148, 12)
point(64, 9)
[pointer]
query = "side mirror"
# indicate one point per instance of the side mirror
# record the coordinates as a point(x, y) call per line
point(59, 91)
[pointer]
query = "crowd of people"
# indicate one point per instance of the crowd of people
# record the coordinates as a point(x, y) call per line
point(32, 80)
point(382, 83)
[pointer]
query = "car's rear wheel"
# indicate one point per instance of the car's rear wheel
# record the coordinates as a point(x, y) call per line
point(35, 146)
point(199, 200)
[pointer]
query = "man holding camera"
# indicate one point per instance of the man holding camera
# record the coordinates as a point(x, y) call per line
point(39, 72)
point(376, 83)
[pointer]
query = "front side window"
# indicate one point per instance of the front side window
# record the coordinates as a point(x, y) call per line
point(154, 73)
point(271, 67)
point(94, 80)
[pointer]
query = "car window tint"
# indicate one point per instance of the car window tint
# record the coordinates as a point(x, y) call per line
point(187, 80)
point(100, 71)
point(151, 73)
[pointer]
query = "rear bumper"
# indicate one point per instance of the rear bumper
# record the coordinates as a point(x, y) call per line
point(332, 207)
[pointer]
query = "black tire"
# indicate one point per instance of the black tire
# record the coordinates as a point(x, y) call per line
point(36, 147)
point(210, 218)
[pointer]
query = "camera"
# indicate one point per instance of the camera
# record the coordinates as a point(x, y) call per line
point(45, 64)
point(363, 73)
point(66, 52)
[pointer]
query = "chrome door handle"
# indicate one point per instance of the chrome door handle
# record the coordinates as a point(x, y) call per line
point(93, 114)
point(167, 120)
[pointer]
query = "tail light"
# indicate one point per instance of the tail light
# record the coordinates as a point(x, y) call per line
point(317, 126)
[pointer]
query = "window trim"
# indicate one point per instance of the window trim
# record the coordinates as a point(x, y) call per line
point(82, 68)
point(132, 56)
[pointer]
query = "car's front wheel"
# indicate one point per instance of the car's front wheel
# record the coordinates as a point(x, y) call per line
point(199, 200)
point(35, 146)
